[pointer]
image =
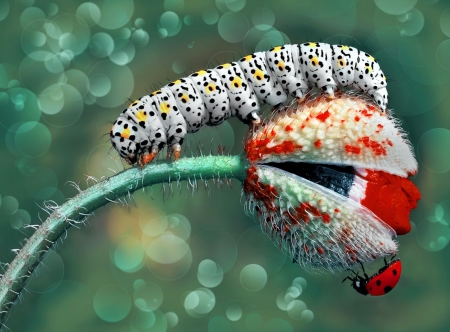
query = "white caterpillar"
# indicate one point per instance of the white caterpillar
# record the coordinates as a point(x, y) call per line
point(237, 89)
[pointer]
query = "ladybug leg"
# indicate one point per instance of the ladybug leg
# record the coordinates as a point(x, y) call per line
point(385, 262)
point(352, 271)
point(349, 278)
point(364, 271)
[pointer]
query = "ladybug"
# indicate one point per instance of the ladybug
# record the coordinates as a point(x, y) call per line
point(381, 282)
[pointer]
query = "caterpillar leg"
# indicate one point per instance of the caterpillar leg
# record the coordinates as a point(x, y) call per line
point(380, 97)
point(329, 90)
point(253, 119)
point(147, 156)
point(130, 159)
point(300, 95)
point(175, 150)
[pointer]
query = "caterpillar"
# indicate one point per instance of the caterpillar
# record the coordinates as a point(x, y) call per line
point(208, 97)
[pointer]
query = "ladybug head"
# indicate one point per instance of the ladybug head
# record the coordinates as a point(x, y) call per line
point(358, 283)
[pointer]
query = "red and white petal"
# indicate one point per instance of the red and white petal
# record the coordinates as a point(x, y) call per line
point(319, 228)
point(342, 131)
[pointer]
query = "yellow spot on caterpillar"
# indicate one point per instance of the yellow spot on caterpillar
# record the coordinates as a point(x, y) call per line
point(248, 57)
point(201, 72)
point(371, 58)
point(141, 116)
point(185, 97)
point(384, 77)
point(345, 48)
point(226, 65)
point(341, 63)
point(236, 82)
point(165, 107)
point(134, 102)
point(277, 49)
point(156, 92)
point(312, 44)
point(369, 69)
point(314, 61)
point(281, 65)
point(176, 82)
point(259, 75)
point(125, 133)
point(210, 88)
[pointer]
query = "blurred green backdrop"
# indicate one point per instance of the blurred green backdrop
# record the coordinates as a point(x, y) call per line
point(197, 262)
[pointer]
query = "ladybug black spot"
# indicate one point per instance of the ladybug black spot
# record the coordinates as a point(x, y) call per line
point(394, 272)
point(378, 282)
point(387, 289)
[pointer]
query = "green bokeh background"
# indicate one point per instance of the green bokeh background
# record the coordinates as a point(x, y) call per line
point(197, 262)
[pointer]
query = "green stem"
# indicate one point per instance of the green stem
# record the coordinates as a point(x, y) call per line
point(77, 209)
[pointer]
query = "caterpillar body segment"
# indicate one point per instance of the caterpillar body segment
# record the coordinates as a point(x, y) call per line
point(214, 96)
point(209, 97)
point(190, 102)
point(172, 119)
point(359, 70)
point(264, 82)
point(315, 63)
point(243, 100)
point(284, 63)
point(370, 79)
point(343, 61)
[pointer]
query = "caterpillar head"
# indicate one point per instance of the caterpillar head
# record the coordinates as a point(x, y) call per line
point(128, 140)
point(380, 97)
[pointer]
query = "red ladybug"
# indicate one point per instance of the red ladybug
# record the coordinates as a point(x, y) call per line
point(381, 282)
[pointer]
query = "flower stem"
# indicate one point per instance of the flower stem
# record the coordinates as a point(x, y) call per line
point(80, 207)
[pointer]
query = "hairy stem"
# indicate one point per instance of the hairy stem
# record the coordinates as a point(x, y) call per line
point(77, 209)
